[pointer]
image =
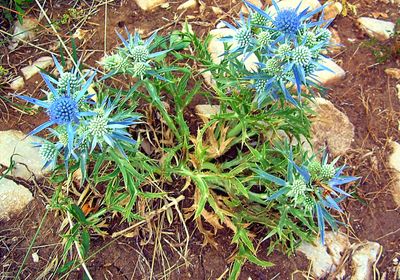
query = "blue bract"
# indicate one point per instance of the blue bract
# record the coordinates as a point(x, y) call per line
point(288, 44)
point(134, 57)
point(313, 187)
point(63, 110)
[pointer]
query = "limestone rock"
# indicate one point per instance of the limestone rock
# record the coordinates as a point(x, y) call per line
point(330, 127)
point(23, 32)
point(335, 42)
point(206, 111)
point(256, 3)
point(27, 158)
point(13, 198)
point(393, 72)
point(325, 259)
point(208, 78)
point(190, 4)
point(325, 77)
point(17, 84)
point(333, 10)
point(43, 63)
point(376, 28)
point(148, 5)
point(216, 48)
point(363, 257)
point(394, 163)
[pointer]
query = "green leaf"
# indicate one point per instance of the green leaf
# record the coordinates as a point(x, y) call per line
point(77, 212)
point(85, 242)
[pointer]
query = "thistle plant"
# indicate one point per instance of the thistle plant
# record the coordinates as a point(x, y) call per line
point(242, 160)
point(77, 122)
point(134, 57)
point(313, 187)
point(288, 45)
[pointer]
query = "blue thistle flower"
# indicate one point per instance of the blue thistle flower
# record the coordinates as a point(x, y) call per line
point(62, 109)
point(243, 37)
point(49, 153)
point(107, 128)
point(314, 186)
point(289, 22)
point(134, 57)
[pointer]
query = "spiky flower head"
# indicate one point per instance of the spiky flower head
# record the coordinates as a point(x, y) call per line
point(63, 110)
point(139, 53)
point(287, 21)
point(284, 51)
point(62, 135)
point(273, 66)
point(260, 85)
point(111, 62)
point(139, 69)
point(309, 68)
point(98, 126)
point(314, 167)
point(324, 35)
point(258, 19)
point(298, 187)
point(264, 38)
point(302, 55)
point(243, 37)
point(309, 38)
point(48, 151)
point(309, 203)
point(327, 171)
point(67, 78)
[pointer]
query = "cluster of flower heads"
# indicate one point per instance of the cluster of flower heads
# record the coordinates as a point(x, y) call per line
point(289, 45)
point(133, 57)
point(76, 121)
point(314, 188)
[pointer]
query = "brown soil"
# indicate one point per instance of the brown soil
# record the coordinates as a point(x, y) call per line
point(367, 96)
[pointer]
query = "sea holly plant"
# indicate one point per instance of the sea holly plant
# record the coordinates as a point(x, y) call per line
point(78, 123)
point(288, 45)
point(245, 161)
point(134, 57)
point(313, 188)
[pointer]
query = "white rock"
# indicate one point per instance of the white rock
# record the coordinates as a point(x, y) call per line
point(190, 4)
point(394, 163)
point(256, 3)
point(325, 77)
point(325, 259)
point(216, 48)
point(148, 5)
point(393, 72)
point(13, 198)
point(208, 78)
point(43, 63)
point(18, 83)
point(363, 257)
point(330, 127)
point(376, 28)
point(333, 10)
point(292, 4)
point(398, 93)
point(206, 111)
point(27, 158)
point(24, 31)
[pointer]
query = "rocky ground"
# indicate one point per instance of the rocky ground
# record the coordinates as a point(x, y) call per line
point(357, 119)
